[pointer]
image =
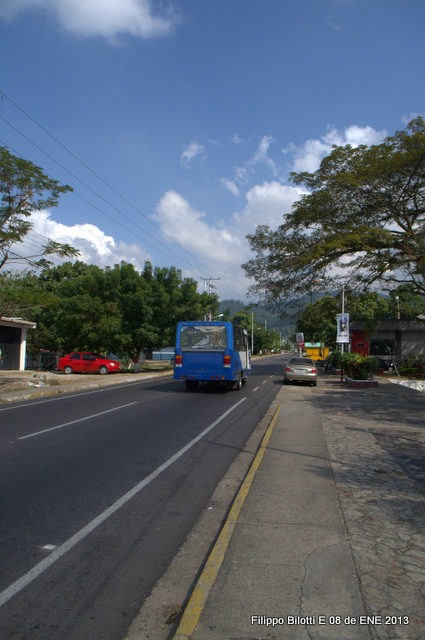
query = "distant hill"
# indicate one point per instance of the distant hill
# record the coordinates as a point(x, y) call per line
point(284, 326)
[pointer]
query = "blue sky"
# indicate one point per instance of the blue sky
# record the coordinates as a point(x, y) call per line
point(177, 123)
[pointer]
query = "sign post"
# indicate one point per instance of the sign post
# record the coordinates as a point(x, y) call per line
point(299, 337)
point(343, 332)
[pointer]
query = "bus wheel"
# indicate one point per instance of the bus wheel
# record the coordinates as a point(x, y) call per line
point(238, 384)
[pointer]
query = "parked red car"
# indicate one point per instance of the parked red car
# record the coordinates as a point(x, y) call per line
point(84, 362)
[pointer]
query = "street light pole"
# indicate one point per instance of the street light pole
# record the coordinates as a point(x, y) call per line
point(252, 333)
point(398, 307)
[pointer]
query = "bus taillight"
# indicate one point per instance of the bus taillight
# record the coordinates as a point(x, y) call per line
point(178, 361)
point(226, 361)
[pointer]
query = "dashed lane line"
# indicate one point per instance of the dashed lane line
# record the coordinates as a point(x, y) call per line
point(36, 571)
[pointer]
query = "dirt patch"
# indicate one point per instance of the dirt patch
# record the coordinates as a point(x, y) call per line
point(17, 380)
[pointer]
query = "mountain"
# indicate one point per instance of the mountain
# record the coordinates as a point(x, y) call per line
point(282, 325)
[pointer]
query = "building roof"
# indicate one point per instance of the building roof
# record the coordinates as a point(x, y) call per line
point(17, 322)
point(387, 325)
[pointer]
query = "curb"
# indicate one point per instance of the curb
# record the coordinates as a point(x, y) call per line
point(193, 610)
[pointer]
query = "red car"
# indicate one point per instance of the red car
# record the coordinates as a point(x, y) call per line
point(84, 362)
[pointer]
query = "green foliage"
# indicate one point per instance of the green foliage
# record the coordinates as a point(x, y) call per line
point(114, 309)
point(335, 359)
point(264, 339)
point(362, 218)
point(24, 188)
point(359, 367)
point(318, 320)
point(18, 295)
point(412, 365)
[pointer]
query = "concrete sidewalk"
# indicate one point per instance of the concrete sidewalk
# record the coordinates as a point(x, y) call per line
point(332, 529)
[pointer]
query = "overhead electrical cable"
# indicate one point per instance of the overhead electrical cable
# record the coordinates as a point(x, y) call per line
point(143, 240)
point(100, 197)
point(96, 175)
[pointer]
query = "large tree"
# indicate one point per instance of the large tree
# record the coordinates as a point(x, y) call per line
point(361, 222)
point(25, 188)
point(113, 309)
point(318, 320)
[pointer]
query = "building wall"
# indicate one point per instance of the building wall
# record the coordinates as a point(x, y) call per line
point(405, 338)
point(10, 345)
point(413, 342)
point(13, 343)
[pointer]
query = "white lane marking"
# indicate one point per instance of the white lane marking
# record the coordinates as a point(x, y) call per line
point(39, 568)
point(256, 389)
point(66, 424)
point(264, 381)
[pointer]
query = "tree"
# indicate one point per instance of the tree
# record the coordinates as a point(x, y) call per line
point(83, 313)
point(263, 338)
point(24, 188)
point(20, 294)
point(361, 222)
point(113, 309)
point(318, 320)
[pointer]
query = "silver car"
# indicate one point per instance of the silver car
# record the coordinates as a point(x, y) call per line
point(301, 370)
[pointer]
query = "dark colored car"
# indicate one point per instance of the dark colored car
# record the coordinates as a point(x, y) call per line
point(85, 362)
point(300, 370)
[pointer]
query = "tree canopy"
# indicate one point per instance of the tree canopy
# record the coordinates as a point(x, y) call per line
point(25, 188)
point(84, 307)
point(361, 222)
point(318, 321)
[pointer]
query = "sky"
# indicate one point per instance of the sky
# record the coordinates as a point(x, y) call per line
point(177, 123)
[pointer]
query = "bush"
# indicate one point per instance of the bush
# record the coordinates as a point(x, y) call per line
point(412, 364)
point(335, 359)
point(359, 367)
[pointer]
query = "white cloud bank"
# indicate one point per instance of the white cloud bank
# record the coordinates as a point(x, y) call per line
point(107, 18)
point(224, 246)
point(309, 155)
point(94, 245)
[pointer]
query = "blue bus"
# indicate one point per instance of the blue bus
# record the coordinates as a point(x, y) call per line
point(214, 352)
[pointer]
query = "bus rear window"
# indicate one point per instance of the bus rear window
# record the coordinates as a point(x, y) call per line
point(203, 337)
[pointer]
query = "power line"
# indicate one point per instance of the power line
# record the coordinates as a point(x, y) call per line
point(98, 195)
point(3, 95)
point(143, 240)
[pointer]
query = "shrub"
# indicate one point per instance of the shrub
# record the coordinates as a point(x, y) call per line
point(412, 364)
point(359, 367)
point(335, 359)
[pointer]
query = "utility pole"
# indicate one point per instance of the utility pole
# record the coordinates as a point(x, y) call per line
point(252, 333)
point(210, 286)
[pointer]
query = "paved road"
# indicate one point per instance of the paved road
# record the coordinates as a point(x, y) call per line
point(99, 489)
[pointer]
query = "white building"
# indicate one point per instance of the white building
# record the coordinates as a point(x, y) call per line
point(13, 343)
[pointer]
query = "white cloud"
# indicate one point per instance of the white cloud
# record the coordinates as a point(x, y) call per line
point(193, 150)
point(107, 18)
point(266, 204)
point(236, 139)
point(189, 228)
point(94, 245)
point(408, 118)
point(231, 186)
point(223, 247)
point(309, 155)
point(260, 157)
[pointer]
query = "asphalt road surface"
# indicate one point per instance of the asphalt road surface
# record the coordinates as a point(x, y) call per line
point(99, 489)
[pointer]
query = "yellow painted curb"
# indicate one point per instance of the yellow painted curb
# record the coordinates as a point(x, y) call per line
point(206, 580)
